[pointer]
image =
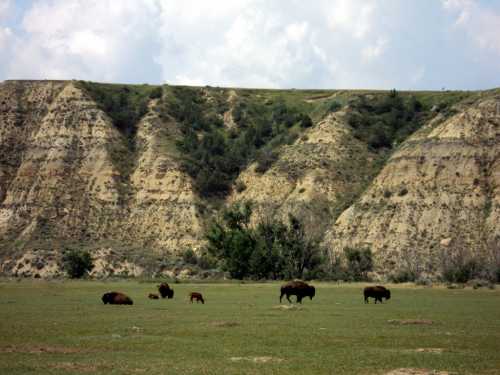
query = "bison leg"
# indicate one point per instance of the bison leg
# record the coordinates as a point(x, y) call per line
point(366, 299)
point(288, 298)
point(282, 294)
point(299, 299)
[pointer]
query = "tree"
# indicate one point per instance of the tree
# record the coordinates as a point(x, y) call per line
point(306, 122)
point(359, 263)
point(77, 263)
point(271, 249)
point(230, 240)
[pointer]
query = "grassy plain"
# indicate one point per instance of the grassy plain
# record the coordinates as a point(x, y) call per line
point(62, 327)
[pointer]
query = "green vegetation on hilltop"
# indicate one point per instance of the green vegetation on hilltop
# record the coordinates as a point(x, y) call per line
point(214, 154)
point(125, 104)
point(385, 120)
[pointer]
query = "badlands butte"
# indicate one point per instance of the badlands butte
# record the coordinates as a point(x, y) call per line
point(118, 170)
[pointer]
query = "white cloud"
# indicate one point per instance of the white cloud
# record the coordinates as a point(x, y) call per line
point(351, 16)
point(79, 39)
point(374, 51)
point(480, 22)
point(5, 6)
point(257, 43)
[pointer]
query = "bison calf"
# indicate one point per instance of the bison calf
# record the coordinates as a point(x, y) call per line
point(153, 296)
point(196, 296)
point(165, 291)
point(116, 298)
point(299, 289)
point(377, 292)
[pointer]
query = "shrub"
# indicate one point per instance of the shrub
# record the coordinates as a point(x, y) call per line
point(189, 257)
point(272, 249)
point(265, 160)
point(359, 263)
point(403, 192)
point(335, 106)
point(156, 93)
point(403, 276)
point(481, 283)
point(77, 263)
point(306, 122)
point(240, 186)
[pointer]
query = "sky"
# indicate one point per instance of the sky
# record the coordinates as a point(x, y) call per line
point(335, 44)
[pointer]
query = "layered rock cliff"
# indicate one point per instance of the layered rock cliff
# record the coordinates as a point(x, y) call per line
point(437, 198)
point(68, 177)
point(71, 178)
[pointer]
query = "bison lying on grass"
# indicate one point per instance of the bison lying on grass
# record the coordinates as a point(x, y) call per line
point(378, 292)
point(165, 291)
point(299, 289)
point(116, 298)
point(153, 296)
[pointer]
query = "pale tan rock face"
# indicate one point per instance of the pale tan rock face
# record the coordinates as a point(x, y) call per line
point(67, 174)
point(310, 176)
point(69, 178)
point(437, 196)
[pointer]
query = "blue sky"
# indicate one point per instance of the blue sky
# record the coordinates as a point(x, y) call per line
point(403, 44)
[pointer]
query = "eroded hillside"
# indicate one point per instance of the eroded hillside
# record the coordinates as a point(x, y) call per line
point(436, 201)
point(134, 173)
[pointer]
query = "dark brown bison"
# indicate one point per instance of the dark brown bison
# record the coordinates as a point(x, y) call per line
point(153, 296)
point(299, 289)
point(165, 291)
point(116, 298)
point(378, 292)
point(196, 296)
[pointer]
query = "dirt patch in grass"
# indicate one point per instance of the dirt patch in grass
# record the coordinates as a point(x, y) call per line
point(38, 349)
point(264, 359)
point(417, 371)
point(430, 350)
point(411, 321)
point(225, 324)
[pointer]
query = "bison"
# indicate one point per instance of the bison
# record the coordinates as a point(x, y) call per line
point(116, 298)
point(299, 289)
point(378, 292)
point(165, 291)
point(153, 296)
point(196, 296)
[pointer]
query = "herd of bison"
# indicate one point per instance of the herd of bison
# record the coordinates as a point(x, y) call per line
point(299, 289)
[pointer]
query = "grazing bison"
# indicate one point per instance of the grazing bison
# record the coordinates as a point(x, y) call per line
point(153, 296)
point(299, 289)
point(165, 291)
point(197, 296)
point(378, 292)
point(116, 298)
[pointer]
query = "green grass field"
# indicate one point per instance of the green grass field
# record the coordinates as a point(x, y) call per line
point(62, 327)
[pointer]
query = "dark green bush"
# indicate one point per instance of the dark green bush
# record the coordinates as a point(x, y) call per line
point(265, 160)
point(214, 157)
point(359, 263)
point(384, 120)
point(306, 122)
point(77, 263)
point(271, 250)
point(335, 106)
point(189, 257)
point(156, 93)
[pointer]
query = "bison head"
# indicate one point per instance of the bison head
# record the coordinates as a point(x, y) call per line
point(387, 294)
point(311, 292)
